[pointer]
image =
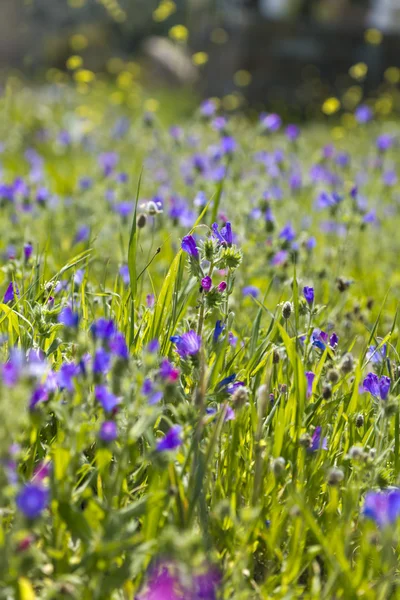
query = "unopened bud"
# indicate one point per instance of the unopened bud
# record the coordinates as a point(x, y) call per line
point(275, 357)
point(141, 221)
point(326, 392)
point(335, 476)
point(333, 376)
point(287, 310)
point(240, 397)
point(359, 420)
point(347, 363)
point(278, 466)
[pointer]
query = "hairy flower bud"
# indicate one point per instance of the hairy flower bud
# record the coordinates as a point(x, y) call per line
point(335, 476)
point(287, 310)
point(347, 363)
point(359, 420)
point(278, 466)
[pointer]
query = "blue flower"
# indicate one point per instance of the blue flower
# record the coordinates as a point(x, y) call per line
point(108, 431)
point(118, 346)
point(382, 507)
point(108, 401)
point(250, 290)
point(103, 329)
point(287, 234)
point(68, 317)
point(189, 245)
point(219, 327)
point(225, 236)
point(10, 293)
point(317, 441)
point(377, 387)
point(310, 376)
point(187, 344)
point(226, 381)
point(101, 362)
point(308, 294)
point(32, 500)
point(171, 440)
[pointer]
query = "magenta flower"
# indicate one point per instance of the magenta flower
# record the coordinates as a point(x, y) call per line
point(206, 283)
point(222, 286)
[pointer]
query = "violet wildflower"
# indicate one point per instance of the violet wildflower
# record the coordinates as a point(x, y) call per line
point(308, 294)
point(124, 272)
point(287, 234)
point(310, 376)
point(279, 259)
point(68, 317)
point(189, 245)
point(65, 376)
point(377, 387)
point(222, 286)
point(101, 362)
point(153, 346)
point(163, 584)
point(206, 283)
point(32, 500)
point(171, 440)
point(382, 507)
point(224, 236)
point(219, 327)
point(250, 290)
point(187, 344)
point(271, 122)
point(363, 114)
point(103, 329)
point(168, 372)
point(82, 235)
point(118, 346)
point(208, 108)
point(28, 250)
point(292, 132)
point(317, 441)
point(376, 355)
point(38, 395)
point(108, 431)
point(153, 396)
point(10, 293)
point(384, 142)
point(106, 398)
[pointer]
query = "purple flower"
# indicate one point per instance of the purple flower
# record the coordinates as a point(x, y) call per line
point(225, 236)
point(222, 286)
point(108, 431)
point(279, 258)
point(153, 396)
point(189, 245)
point(206, 584)
point(317, 442)
point(108, 161)
point(206, 283)
point(363, 114)
point(250, 290)
point(219, 327)
point(287, 234)
point(101, 362)
point(168, 372)
point(11, 370)
point(153, 346)
point(118, 346)
point(382, 507)
point(208, 108)
point(82, 234)
point(188, 344)
point(103, 329)
point(376, 356)
point(292, 132)
point(271, 122)
point(65, 376)
point(308, 294)
point(171, 440)
point(124, 272)
point(377, 387)
point(163, 584)
point(68, 317)
point(228, 144)
point(10, 293)
point(32, 500)
point(333, 340)
point(310, 376)
point(107, 399)
point(28, 250)
point(384, 142)
point(38, 395)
